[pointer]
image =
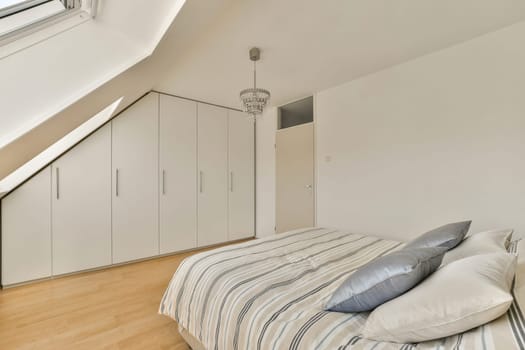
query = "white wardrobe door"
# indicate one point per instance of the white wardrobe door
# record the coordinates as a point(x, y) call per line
point(242, 176)
point(178, 174)
point(81, 207)
point(135, 181)
point(26, 231)
point(213, 175)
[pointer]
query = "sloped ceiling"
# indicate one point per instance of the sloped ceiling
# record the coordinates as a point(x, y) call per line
point(307, 46)
point(42, 79)
point(34, 136)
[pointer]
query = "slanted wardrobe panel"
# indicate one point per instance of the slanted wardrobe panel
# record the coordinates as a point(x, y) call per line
point(213, 175)
point(241, 153)
point(135, 181)
point(81, 205)
point(26, 231)
point(178, 174)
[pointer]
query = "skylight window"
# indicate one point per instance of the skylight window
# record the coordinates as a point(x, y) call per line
point(15, 15)
point(10, 3)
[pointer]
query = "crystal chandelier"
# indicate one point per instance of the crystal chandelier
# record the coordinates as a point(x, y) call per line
point(254, 99)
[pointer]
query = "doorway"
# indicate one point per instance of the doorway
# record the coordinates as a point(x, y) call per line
point(294, 154)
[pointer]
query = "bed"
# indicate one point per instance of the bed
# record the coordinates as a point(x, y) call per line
point(269, 294)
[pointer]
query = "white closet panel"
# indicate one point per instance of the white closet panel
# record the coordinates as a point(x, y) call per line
point(166, 175)
point(26, 231)
point(242, 177)
point(178, 174)
point(81, 205)
point(213, 175)
point(135, 181)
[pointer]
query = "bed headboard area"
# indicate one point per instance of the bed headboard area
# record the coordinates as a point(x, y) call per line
point(435, 140)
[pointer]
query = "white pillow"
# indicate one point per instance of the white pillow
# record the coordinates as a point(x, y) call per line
point(480, 243)
point(460, 296)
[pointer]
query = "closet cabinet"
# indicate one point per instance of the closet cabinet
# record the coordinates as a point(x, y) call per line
point(135, 138)
point(213, 175)
point(241, 155)
point(26, 231)
point(81, 205)
point(178, 174)
point(168, 174)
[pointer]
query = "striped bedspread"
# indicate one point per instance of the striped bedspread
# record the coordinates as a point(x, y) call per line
point(269, 293)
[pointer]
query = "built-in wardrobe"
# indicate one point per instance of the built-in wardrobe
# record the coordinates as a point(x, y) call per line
point(166, 175)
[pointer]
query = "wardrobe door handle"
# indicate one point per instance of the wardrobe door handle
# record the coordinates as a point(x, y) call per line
point(200, 181)
point(116, 181)
point(58, 182)
point(163, 181)
point(231, 181)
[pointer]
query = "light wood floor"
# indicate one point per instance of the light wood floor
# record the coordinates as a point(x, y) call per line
point(108, 309)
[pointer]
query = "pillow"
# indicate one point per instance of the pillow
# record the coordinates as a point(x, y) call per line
point(480, 243)
point(385, 278)
point(448, 236)
point(462, 295)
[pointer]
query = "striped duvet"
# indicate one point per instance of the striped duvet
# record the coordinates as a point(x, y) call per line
point(269, 293)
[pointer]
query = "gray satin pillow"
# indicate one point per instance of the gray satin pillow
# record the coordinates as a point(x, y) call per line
point(385, 278)
point(447, 236)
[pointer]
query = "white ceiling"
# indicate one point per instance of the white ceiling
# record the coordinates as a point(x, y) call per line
point(311, 45)
point(307, 46)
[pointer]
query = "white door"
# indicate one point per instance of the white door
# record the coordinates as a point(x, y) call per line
point(178, 174)
point(135, 181)
point(295, 177)
point(81, 205)
point(213, 175)
point(242, 177)
point(26, 231)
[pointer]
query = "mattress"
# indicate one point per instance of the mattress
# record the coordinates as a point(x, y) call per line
point(269, 294)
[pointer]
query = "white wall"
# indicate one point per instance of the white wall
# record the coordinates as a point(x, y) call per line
point(265, 172)
point(437, 139)
point(434, 140)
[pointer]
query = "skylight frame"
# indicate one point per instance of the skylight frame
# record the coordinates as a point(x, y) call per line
point(32, 24)
point(21, 6)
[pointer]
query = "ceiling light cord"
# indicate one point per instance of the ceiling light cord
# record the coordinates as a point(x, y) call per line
point(255, 74)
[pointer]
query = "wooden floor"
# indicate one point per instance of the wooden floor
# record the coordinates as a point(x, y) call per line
point(108, 309)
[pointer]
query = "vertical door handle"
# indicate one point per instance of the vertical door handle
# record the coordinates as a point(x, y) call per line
point(200, 181)
point(163, 181)
point(58, 182)
point(116, 182)
point(231, 181)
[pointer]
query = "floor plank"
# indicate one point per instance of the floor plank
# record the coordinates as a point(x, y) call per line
point(114, 308)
